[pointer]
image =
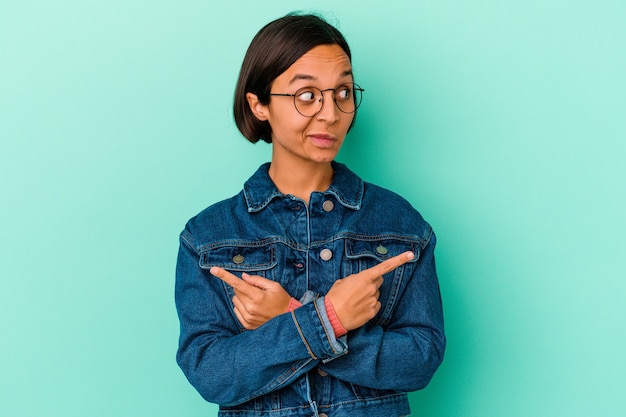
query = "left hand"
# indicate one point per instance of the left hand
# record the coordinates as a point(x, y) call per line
point(257, 300)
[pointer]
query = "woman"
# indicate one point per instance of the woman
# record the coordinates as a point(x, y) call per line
point(310, 292)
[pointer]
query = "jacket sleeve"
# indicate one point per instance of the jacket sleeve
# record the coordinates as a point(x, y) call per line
point(403, 355)
point(228, 365)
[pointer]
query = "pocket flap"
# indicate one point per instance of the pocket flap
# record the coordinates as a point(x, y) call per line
point(380, 249)
point(240, 258)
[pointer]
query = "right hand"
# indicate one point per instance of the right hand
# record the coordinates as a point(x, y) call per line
point(257, 299)
point(355, 297)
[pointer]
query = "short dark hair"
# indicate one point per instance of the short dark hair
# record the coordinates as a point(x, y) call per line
point(273, 50)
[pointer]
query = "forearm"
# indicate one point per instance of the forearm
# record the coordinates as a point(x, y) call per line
point(231, 369)
point(401, 360)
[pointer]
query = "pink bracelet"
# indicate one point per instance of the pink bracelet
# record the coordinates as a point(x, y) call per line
point(334, 320)
point(293, 304)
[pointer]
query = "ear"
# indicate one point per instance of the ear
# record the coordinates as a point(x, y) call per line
point(259, 110)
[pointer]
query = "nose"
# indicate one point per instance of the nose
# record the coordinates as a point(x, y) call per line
point(329, 110)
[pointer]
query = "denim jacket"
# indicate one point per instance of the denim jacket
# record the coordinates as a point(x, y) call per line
point(293, 365)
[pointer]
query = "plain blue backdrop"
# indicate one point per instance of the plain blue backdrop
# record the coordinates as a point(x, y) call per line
point(502, 122)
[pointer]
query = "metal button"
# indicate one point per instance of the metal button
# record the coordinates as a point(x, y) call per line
point(322, 372)
point(326, 254)
point(328, 206)
point(382, 250)
point(238, 259)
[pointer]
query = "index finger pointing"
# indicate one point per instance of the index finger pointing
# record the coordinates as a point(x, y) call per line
point(228, 278)
point(389, 265)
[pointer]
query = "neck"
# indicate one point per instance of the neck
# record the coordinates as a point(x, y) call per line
point(300, 181)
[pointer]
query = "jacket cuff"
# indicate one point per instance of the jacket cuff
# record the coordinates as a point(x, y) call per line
point(317, 332)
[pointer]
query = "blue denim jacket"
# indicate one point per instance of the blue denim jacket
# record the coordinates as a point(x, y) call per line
point(293, 365)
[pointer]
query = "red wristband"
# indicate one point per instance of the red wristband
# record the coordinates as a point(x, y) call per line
point(334, 320)
point(293, 304)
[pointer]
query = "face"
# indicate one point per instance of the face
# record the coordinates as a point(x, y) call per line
point(297, 138)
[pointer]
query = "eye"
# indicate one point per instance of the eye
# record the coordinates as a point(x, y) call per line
point(344, 92)
point(305, 96)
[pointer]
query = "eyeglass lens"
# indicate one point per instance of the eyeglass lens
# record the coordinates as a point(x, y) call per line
point(309, 100)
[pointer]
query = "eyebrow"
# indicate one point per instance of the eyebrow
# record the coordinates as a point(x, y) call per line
point(297, 77)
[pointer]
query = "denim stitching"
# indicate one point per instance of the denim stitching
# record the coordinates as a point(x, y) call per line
point(308, 347)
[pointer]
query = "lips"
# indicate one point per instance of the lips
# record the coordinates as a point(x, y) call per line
point(323, 140)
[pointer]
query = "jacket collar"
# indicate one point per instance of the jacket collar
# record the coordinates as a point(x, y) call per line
point(347, 187)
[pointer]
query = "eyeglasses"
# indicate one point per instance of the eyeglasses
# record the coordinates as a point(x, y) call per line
point(309, 100)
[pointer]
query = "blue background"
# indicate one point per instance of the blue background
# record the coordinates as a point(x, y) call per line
point(503, 122)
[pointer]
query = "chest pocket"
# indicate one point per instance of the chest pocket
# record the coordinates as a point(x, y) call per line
point(251, 259)
point(362, 254)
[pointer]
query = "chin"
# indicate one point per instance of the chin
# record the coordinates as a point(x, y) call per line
point(325, 158)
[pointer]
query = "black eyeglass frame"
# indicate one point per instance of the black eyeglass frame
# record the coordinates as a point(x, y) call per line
point(355, 87)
